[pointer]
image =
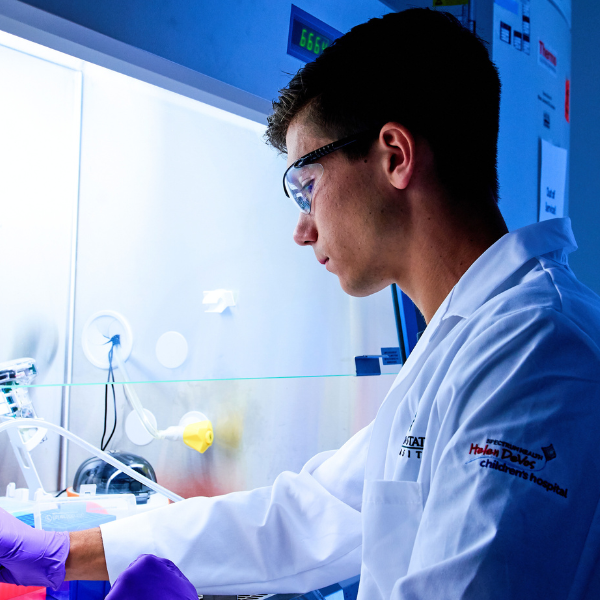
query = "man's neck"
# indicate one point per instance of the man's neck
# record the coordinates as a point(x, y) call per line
point(444, 248)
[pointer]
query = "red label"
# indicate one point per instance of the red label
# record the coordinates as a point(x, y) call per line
point(544, 52)
point(568, 101)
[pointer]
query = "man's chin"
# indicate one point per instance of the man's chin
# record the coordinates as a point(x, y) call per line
point(360, 289)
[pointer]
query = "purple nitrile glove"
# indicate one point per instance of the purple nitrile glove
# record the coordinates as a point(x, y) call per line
point(151, 578)
point(31, 556)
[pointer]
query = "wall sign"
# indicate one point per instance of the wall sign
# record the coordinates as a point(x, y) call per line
point(308, 36)
point(553, 173)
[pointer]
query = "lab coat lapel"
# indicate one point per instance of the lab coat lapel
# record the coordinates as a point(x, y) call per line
point(382, 428)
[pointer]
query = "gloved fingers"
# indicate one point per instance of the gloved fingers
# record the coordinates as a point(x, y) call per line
point(152, 578)
point(6, 575)
point(12, 534)
point(31, 556)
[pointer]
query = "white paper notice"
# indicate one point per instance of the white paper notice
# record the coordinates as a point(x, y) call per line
point(552, 181)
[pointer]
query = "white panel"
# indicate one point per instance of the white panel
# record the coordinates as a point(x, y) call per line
point(39, 131)
point(179, 198)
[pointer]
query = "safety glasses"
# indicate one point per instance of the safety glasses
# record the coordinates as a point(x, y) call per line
point(301, 178)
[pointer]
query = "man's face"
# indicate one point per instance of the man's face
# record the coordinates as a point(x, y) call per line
point(349, 216)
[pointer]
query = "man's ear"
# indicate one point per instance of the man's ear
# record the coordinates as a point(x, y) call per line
point(397, 146)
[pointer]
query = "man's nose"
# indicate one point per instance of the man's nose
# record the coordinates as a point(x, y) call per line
point(305, 232)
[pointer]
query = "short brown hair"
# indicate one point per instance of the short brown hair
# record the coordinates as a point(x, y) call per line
point(418, 67)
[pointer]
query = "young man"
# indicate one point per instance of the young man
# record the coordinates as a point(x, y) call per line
point(479, 477)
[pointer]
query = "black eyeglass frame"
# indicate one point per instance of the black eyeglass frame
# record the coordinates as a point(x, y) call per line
point(313, 156)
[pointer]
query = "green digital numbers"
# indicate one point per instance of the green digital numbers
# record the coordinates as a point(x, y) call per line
point(303, 39)
point(314, 44)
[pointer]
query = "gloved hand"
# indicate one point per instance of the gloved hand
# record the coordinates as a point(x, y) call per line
point(151, 578)
point(31, 556)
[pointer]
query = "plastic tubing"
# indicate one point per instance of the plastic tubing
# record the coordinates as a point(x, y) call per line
point(159, 489)
point(133, 398)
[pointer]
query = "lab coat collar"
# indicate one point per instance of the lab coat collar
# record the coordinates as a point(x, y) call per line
point(552, 238)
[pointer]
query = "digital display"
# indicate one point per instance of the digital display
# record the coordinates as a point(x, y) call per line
point(308, 36)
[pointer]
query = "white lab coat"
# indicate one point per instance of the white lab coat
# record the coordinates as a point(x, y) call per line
point(479, 478)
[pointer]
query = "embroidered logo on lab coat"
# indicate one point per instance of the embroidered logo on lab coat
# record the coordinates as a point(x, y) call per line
point(506, 458)
point(412, 447)
point(507, 452)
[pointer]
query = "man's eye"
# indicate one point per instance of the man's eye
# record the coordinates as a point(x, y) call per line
point(307, 185)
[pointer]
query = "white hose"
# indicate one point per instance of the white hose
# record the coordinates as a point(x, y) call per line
point(172, 433)
point(111, 460)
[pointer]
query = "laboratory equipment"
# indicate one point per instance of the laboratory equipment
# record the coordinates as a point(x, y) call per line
point(194, 429)
point(15, 401)
point(109, 480)
point(38, 509)
point(40, 493)
point(308, 36)
point(26, 431)
point(15, 404)
point(107, 336)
